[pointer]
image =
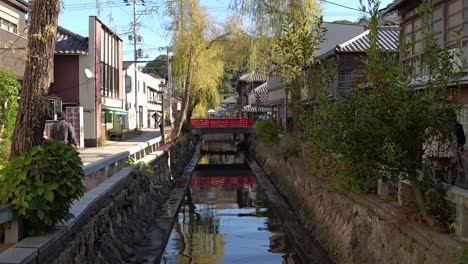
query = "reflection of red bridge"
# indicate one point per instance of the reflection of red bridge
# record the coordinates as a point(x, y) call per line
point(221, 181)
point(221, 122)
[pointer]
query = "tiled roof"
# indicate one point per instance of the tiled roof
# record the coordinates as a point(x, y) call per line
point(262, 89)
point(387, 40)
point(255, 108)
point(232, 99)
point(253, 77)
point(337, 33)
point(69, 43)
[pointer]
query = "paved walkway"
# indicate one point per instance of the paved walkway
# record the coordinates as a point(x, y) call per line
point(90, 155)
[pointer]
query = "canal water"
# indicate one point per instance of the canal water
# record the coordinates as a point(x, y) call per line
point(225, 218)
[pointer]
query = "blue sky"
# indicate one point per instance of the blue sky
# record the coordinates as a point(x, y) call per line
point(118, 16)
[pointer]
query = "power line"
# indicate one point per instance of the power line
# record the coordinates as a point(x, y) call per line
point(348, 7)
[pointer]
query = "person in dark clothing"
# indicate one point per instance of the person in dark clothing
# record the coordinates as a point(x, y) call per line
point(460, 134)
point(161, 124)
point(63, 131)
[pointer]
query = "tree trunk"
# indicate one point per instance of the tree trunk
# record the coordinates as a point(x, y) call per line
point(29, 127)
point(295, 103)
point(186, 97)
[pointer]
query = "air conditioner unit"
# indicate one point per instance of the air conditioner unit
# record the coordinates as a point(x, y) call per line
point(458, 60)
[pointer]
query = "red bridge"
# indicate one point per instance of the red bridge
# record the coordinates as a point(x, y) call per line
point(222, 126)
point(221, 122)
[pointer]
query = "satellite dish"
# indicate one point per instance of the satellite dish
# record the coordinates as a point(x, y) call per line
point(89, 74)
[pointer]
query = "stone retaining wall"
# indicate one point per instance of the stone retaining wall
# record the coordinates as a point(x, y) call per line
point(119, 227)
point(355, 228)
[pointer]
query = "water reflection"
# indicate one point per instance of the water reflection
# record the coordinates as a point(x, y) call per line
point(225, 219)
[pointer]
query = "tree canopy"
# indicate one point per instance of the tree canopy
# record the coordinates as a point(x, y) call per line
point(157, 66)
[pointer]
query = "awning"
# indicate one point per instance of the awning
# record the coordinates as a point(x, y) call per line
point(115, 111)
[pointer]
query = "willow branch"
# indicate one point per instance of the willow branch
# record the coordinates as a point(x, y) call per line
point(217, 39)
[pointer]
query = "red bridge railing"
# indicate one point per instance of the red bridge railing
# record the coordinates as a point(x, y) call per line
point(221, 181)
point(221, 122)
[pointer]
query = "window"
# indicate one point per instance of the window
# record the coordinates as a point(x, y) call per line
point(144, 87)
point(8, 26)
point(447, 18)
point(109, 64)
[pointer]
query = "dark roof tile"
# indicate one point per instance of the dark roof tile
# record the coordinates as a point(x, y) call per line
point(69, 43)
point(253, 77)
point(387, 40)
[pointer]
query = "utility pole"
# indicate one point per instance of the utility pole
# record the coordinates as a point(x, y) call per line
point(135, 63)
point(169, 85)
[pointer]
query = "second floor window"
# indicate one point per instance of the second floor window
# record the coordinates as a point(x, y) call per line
point(109, 64)
point(8, 26)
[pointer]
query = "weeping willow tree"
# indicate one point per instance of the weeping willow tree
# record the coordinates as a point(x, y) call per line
point(288, 34)
point(206, 79)
point(198, 64)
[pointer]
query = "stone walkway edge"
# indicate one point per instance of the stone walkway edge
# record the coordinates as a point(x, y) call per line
point(309, 250)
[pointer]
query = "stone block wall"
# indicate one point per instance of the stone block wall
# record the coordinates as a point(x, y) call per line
point(120, 223)
point(354, 228)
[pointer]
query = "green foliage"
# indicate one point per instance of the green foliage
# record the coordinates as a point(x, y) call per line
point(42, 183)
point(101, 142)
point(9, 91)
point(157, 66)
point(384, 125)
point(291, 147)
point(144, 172)
point(186, 128)
point(296, 47)
point(5, 146)
point(267, 132)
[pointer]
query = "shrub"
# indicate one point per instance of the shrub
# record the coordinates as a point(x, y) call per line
point(42, 183)
point(9, 89)
point(291, 147)
point(267, 132)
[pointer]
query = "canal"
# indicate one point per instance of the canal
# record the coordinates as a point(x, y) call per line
point(225, 218)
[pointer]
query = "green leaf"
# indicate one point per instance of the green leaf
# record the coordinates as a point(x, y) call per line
point(22, 175)
point(49, 196)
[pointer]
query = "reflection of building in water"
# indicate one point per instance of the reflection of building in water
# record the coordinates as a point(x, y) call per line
point(246, 196)
point(226, 159)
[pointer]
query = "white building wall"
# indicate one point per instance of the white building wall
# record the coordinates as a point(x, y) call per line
point(88, 86)
point(142, 97)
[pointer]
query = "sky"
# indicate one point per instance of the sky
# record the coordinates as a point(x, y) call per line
point(118, 16)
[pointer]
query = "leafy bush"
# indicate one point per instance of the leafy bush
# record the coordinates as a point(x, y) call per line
point(5, 145)
point(384, 123)
point(42, 183)
point(9, 89)
point(291, 147)
point(267, 131)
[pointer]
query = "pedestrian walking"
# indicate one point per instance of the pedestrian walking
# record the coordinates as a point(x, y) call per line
point(161, 124)
point(63, 131)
